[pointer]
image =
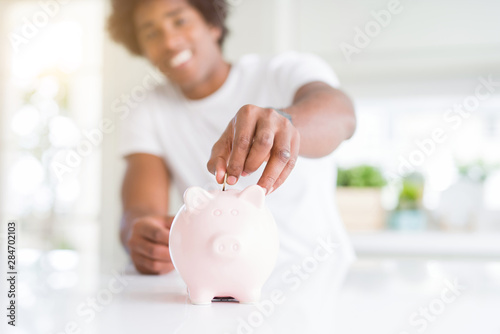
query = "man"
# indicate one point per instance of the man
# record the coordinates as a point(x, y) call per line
point(213, 118)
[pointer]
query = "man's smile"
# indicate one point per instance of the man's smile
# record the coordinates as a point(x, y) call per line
point(181, 58)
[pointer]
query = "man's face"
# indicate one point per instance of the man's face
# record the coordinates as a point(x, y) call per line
point(175, 37)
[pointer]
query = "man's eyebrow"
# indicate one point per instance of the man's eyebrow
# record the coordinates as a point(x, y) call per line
point(150, 24)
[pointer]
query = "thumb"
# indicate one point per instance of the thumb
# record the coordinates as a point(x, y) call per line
point(168, 221)
point(220, 155)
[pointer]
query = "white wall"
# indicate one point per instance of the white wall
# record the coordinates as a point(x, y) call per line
point(121, 72)
point(439, 41)
point(3, 116)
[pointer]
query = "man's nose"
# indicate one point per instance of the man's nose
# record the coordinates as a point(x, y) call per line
point(172, 42)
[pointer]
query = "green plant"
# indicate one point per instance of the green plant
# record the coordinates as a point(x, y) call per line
point(410, 196)
point(363, 176)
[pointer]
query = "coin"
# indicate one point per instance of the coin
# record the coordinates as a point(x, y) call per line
point(224, 184)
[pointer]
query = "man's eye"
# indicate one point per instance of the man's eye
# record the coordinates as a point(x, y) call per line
point(152, 34)
point(179, 22)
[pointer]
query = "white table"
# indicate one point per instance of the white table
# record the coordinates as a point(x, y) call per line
point(378, 296)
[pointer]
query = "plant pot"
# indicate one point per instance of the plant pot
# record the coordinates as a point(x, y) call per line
point(361, 208)
point(407, 220)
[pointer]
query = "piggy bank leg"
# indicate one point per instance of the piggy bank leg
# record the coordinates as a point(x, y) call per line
point(249, 296)
point(200, 296)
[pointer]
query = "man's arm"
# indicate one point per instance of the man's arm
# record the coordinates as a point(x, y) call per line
point(324, 117)
point(145, 225)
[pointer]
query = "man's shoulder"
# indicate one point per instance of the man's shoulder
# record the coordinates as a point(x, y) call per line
point(256, 58)
point(276, 61)
point(294, 58)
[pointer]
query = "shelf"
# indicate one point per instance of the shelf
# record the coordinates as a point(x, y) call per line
point(389, 243)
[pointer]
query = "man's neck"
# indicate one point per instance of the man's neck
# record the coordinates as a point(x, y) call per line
point(211, 84)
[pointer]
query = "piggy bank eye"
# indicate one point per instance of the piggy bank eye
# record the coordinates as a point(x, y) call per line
point(234, 212)
point(217, 212)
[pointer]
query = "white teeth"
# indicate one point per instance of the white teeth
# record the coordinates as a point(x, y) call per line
point(181, 58)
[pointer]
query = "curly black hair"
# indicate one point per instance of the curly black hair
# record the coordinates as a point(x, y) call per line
point(121, 23)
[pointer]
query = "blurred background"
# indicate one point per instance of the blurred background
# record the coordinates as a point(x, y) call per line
point(420, 178)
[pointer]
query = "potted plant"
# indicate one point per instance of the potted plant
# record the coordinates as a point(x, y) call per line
point(408, 214)
point(359, 198)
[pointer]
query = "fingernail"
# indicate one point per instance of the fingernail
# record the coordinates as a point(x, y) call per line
point(270, 191)
point(231, 180)
point(244, 173)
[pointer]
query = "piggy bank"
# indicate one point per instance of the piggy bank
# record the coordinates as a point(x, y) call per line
point(224, 243)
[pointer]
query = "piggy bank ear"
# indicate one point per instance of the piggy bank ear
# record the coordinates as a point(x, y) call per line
point(196, 198)
point(254, 194)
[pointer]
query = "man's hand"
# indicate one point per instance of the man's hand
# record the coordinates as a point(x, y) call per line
point(253, 136)
point(148, 244)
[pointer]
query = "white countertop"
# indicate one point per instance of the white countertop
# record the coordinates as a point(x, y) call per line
point(378, 296)
point(428, 243)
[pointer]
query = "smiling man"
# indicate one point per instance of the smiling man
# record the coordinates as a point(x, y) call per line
point(256, 120)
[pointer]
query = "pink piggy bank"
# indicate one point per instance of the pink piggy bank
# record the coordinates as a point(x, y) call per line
point(224, 243)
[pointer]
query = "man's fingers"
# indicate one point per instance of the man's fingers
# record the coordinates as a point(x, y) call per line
point(217, 164)
point(150, 249)
point(153, 230)
point(261, 146)
point(244, 128)
point(280, 156)
point(220, 169)
point(251, 139)
point(149, 244)
point(290, 165)
point(146, 265)
point(167, 221)
point(220, 154)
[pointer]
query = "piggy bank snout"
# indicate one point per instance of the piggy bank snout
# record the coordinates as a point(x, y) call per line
point(227, 246)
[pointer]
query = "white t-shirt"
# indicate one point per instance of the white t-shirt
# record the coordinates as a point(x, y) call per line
point(183, 131)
